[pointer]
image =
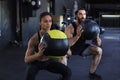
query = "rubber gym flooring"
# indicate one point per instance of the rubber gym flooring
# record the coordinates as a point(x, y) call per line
point(12, 66)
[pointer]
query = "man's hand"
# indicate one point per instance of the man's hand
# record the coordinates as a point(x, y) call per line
point(79, 30)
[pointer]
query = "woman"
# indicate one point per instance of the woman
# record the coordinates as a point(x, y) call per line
point(35, 58)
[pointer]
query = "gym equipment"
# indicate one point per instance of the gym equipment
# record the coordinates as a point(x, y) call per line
point(102, 30)
point(56, 43)
point(91, 29)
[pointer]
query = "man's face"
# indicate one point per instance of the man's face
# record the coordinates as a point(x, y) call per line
point(81, 15)
point(46, 22)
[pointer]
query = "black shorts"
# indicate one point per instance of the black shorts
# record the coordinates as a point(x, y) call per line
point(50, 65)
point(81, 50)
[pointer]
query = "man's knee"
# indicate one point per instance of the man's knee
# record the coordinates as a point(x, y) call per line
point(96, 50)
point(99, 50)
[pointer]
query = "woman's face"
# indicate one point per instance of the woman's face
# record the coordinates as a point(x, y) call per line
point(46, 22)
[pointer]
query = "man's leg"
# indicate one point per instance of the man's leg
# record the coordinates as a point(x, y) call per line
point(97, 54)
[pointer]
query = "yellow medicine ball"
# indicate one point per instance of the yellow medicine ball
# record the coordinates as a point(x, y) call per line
point(56, 43)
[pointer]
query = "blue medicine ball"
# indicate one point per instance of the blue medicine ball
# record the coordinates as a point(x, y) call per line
point(91, 29)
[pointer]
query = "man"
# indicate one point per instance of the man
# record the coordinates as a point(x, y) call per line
point(35, 58)
point(79, 46)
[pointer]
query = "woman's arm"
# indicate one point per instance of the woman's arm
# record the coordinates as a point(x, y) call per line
point(30, 55)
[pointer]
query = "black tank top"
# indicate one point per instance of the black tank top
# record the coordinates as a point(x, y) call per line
point(36, 46)
point(80, 44)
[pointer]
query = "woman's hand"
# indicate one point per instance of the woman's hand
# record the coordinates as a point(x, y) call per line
point(41, 48)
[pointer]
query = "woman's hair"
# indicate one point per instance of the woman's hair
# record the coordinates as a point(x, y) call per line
point(44, 14)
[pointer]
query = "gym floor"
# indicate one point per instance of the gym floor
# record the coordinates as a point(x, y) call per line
point(12, 66)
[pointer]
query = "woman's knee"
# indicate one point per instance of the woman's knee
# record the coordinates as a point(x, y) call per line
point(67, 74)
point(31, 71)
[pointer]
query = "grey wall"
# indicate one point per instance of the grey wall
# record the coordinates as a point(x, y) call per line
point(68, 4)
point(110, 22)
point(32, 25)
point(7, 22)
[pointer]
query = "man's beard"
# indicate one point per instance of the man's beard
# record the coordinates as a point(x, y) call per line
point(80, 20)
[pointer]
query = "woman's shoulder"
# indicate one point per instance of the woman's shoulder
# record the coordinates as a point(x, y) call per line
point(34, 38)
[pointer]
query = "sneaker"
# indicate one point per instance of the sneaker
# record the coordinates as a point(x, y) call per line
point(94, 76)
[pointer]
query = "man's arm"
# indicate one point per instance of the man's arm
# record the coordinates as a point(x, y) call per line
point(69, 32)
point(97, 41)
